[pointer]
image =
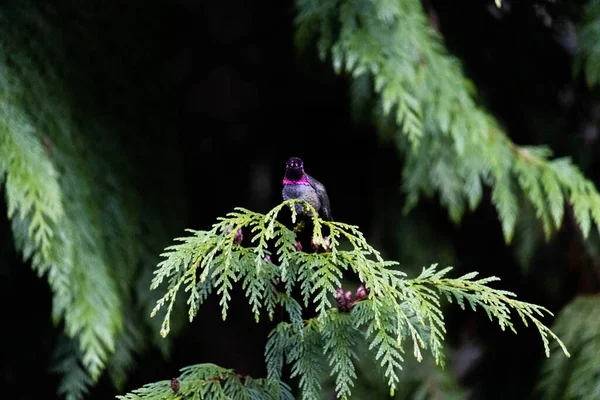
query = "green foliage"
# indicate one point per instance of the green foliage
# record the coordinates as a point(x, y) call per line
point(76, 379)
point(32, 190)
point(84, 293)
point(397, 309)
point(210, 381)
point(419, 380)
point(588, 57)
point(72, 198)
point(575, 378)
point(77, 216)
point(451, 146)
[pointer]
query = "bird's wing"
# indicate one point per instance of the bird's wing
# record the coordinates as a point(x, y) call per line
point(322, 193)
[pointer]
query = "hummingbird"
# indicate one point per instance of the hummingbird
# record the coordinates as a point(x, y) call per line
point(297, 184)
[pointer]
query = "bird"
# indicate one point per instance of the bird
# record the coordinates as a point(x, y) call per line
point(297, 184)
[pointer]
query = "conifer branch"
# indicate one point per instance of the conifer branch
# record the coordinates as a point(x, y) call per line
point(577, 377)
point(418, 380)
point(339, 341)
point(85, 295)
point(75, 379)
point(78, 227)
point(209, 381)
point(587, 60)
point(496, 303)
point(33, 193)
point(429, 107)
point(305, 352)
point(385, 311)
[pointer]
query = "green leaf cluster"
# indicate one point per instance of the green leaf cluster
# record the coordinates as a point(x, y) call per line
point(209, 381)
point(398, 310)
point(588, 57)
point(419, 380)
point(72, 197)
point(451, 146)
point(59, 226)
point(577, 377)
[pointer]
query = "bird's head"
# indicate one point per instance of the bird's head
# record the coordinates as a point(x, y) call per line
point(294, 169)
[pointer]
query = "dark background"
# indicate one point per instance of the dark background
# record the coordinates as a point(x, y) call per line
point(235, 98)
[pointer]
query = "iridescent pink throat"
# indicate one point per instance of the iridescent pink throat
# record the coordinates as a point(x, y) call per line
point(302, 181)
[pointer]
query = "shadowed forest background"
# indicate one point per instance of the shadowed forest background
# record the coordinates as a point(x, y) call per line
point(181, 111)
